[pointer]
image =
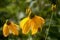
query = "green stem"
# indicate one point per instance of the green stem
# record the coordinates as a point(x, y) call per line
point(49, 25)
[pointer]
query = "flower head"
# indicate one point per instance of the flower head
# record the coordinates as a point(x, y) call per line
point(53, 6)
point(32, 22)
point(9, 26)
point(28, 11)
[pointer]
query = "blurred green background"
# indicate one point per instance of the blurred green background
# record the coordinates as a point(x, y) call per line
point(15, 11)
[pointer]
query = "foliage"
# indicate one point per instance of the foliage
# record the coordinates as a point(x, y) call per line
point(15, 11)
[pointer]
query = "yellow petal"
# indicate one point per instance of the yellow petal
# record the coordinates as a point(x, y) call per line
point(5, 30)
point(26, 27)
point(34, 28)
point(22, 23)
point(12, 28)
point(34, 31)
point(28, 10)
point(42, 19)
point(39, 21)
point(53, 7)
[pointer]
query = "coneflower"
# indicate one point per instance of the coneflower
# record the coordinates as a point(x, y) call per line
point(9, 26)
point(31, 22)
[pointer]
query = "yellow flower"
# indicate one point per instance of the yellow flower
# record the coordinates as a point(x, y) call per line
point(32, 22)
point(9, 26)
point(53, 6)
point(28, 11)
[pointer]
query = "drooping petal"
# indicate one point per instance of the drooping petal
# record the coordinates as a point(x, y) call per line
point(5, 30)
point(26, 27)
point(22, 23)
point(28, 10)
point(37, 22)
point(34, 30)
point(13, 29)
point(53, 7)
point(41, 20)
point(34, 27)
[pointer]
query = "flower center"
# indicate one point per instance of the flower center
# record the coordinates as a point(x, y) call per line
point(8, 22)
point(32, 15)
